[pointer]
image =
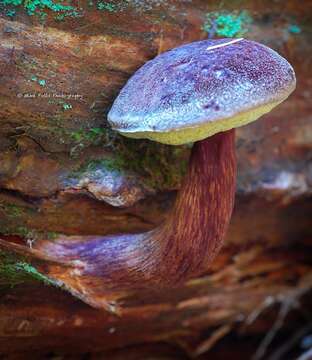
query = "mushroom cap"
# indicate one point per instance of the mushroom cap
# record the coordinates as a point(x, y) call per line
point(196, 90)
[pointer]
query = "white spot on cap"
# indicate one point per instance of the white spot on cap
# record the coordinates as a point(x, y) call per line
point(224, 44)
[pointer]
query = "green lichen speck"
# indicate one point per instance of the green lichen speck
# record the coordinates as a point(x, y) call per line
point(294, 29)
point(41, 82)
point(15, 271)
point(227, 24)
point(67, 106)
point(103, 5)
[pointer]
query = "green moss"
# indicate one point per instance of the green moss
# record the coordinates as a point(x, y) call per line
point(29, 234)
point(111, 164)
point(34, 5)
point(92, 136)
point(91, 166)
point(103, 5)
point(227, 24)
point(12, 2)
point(51, 235)
point(12, 210)
point(9, 229)
point(161, 166)
point(10, 13)
point(62, 11)
point(24, 232)
point(64, 15)
point(39, 7)
point(16, 270)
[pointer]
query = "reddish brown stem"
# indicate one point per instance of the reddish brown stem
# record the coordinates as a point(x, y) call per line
point(204, 206)
point(95, 268)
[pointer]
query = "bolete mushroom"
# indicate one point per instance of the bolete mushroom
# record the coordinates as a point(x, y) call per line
point(198, 93)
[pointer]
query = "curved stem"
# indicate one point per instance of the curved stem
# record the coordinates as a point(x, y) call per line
point(182, 247)
point(197, 227)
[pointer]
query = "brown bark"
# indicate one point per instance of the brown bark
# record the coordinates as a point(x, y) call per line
point(99, 269)
point(265, 265)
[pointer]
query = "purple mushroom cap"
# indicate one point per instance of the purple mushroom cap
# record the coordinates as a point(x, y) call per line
point(203, 87)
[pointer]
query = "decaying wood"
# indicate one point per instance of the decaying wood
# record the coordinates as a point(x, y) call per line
point(264, 270)
point(98, 270)
point(236, 294)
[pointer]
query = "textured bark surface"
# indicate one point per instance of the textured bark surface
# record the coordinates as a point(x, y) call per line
point(55, 153)
point(101, 269)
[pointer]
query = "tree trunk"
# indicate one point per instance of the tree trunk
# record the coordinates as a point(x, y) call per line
point(62, 170)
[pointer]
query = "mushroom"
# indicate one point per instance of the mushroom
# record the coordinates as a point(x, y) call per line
point(199, 93)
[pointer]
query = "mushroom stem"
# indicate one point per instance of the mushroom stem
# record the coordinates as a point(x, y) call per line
point(98, 269)
point(196, 229)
